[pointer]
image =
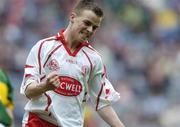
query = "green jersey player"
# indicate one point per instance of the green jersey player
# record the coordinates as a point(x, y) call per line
point(6, 103)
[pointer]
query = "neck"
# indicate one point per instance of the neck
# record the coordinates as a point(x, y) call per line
point(69, 38)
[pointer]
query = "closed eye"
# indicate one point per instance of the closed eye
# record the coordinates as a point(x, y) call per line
point(95, 27)
point(87, 23)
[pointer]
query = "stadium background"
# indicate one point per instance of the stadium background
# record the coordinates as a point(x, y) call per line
point(140, 44)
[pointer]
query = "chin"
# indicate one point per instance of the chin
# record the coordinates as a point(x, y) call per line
point(83, 39)
point(86, 39)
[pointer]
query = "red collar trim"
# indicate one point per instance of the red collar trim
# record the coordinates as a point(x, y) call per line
point(61, 38)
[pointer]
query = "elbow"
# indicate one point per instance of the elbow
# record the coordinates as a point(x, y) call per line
point(28, 94)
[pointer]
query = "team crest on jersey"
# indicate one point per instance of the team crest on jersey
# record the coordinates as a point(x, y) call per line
point(84, 70)
point(53, 65)
point(68, 86)
point(107, 91)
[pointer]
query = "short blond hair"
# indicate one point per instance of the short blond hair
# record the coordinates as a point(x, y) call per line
point(88, 5)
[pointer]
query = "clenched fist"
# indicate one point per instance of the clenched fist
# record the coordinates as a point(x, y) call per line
point(52, 81)
point(35, 89)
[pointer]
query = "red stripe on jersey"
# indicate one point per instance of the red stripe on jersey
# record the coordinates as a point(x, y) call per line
point(51, 54)
point(35, 121)
point(39, 52)
point(28, 66)
point(42, 77)
point(49, 101)
point(39, 57)
point(91, 48)
point(97, 104)
point(88, 60)
point(28, 75)
point(105, 72)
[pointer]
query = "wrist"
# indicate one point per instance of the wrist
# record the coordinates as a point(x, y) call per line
point(42, 87)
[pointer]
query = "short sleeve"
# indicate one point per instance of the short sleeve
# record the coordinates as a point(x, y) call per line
point(31, 68)
point(101, 90)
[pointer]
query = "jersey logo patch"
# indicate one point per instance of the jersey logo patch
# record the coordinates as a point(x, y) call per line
point(53, 65)
point(68, 86)
point(107, 93)
point(84, 70)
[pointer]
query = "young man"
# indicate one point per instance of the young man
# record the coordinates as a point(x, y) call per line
point(6, 103)
point(61, 72)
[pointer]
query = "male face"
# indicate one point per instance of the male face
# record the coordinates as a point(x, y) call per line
point(84, 25)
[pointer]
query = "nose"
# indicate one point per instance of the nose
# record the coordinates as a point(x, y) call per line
point(90, 29)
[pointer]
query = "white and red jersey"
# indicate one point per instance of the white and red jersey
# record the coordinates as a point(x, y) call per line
point(81, 74)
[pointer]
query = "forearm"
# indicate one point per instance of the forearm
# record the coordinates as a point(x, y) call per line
point(109, 115)
point(35, 89)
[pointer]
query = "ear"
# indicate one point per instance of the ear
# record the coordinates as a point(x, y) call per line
point(72, 17)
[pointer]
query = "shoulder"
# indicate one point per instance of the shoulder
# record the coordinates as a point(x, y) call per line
point(47, 41)
point(92, 53)
point(45, 44)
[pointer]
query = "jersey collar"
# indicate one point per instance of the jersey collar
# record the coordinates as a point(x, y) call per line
point(60, 37)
